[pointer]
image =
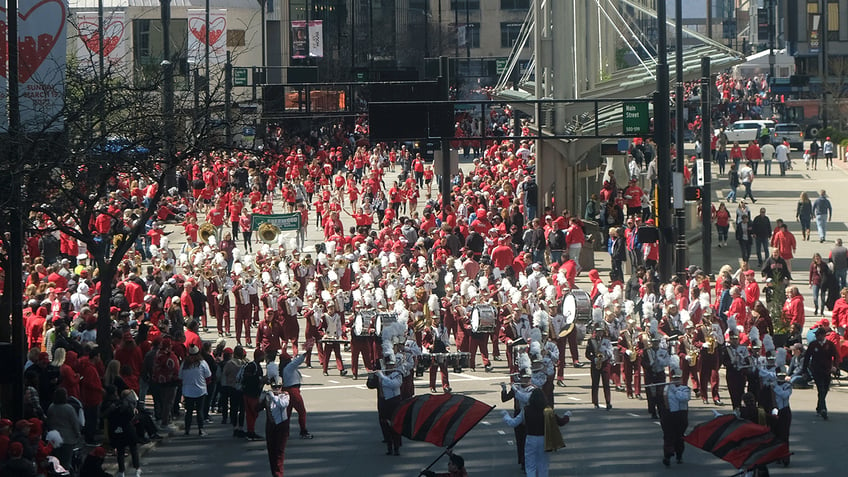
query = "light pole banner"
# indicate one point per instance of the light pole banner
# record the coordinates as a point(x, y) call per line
point(316, 39)
point(114, 38)
point(300, 39)
point(217, 36)
point(42, 50)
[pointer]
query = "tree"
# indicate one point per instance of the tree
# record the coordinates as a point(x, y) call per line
point(69, 178)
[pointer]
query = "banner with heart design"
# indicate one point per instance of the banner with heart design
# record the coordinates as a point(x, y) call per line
point(42, 45)
point(88, 41)
point(197, 29)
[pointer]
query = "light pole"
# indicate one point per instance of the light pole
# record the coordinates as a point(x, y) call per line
point(167, 90)
point(262, 4)
point(208, 73)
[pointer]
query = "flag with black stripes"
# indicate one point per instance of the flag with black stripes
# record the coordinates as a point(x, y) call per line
point(440, 419)
point(738, 441)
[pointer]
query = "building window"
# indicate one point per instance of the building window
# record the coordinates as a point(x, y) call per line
point(515, 4)
point(509, 34)
point(833, 21)
point(472, 35)
point(147, 51)
point(465, 4)
point(235, 38)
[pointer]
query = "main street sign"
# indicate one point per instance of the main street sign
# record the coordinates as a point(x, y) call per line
point(635, 120)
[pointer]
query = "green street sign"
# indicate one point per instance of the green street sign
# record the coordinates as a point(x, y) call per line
point(282, 221)
point(635, 119)
point(500, 65)
point(239, 76)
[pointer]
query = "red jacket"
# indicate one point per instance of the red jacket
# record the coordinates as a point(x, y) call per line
point(840, 314)
point(91, 388)
point(793, 310)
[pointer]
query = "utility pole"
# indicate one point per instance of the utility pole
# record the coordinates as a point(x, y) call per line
point(823, 70)
point(709, 18)
point(101, 66)
point(663, 139)
point(706, 191)
point(167, 90)
point(16, 233)
point(228, 101)
point(207, 99)
point(444, 87)
point(679, 212)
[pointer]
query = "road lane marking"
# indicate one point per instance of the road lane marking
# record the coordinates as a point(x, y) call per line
point(632, 414)
point(332, 381)
point(573, 398)
point(501, 432)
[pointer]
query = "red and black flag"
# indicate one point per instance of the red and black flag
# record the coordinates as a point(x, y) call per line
point(440, 419)
point(742, 443)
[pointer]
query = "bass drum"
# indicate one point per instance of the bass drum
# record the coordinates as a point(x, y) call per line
point(484, 319)
point(363, 321)
point(577, 307)
point(384, 319)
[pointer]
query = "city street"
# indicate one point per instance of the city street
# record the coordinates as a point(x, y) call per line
point(342, 412)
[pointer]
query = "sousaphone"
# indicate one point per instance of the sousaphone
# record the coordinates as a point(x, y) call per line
point(268, 233)
point(206, 231)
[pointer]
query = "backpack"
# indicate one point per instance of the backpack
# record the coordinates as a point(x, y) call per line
point(163, 368)
point(248, 378)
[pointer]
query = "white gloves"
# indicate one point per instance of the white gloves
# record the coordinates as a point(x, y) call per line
point(568, 413)
point(774, 412)
point(628, 352)
point(705, 345)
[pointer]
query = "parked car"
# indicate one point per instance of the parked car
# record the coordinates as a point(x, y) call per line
point(746, 130)
point(790, 132)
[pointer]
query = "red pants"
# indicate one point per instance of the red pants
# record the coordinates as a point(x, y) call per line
point(615, 374)
point(359, 346)
point(276, 437)
point(296, 404)
point(560, 344)
point(250, 413)
point(443, 367)
point(496, 350)
point(600, 377)
point(572, 346)
point(222, 317)
point(332, 348)
point(479, 342)
point(291, 332)
point(709, 373)
point(632, 375)
point(693, 371)
point(243, 322)
point(313, 333)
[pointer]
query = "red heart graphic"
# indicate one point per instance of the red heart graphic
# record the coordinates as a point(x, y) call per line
point(198, 29)
point(112, 34)
point(31, 51)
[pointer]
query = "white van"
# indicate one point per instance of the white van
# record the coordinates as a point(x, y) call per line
point(746, 130)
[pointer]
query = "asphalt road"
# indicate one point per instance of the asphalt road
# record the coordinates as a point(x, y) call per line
point(342, 412)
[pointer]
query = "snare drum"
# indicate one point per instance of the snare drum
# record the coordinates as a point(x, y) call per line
point(363, 321)
point(484, 319)
point(425, 360)
point(577, 306)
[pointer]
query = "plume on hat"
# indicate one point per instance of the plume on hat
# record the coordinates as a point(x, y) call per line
point(541, 318)
point(433, 303)
point(731, 326)
point(629, 307)
point(780, 358)
point(674, 365)
point(310, 289)
point(754, 335)
point(768, 344)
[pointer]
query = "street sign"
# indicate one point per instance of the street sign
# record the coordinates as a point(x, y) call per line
point(500, 65)
point(699, 167)
point(635, 119)
point(283, 221)
point(239, 76)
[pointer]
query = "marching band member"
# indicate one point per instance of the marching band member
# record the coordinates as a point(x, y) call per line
point(243, 311)
point(437, 341)
point(654, 362)
point(508, 334)
point(291, 384)
point(675, 415)
point(561, 330)
point(519, 392)
point(334, 332)
point(290, 311)
point(628, 344)
point(711, 337)
point(314, 315)
point(536, 459)
point(735, 359)
point(220, 300)
point(599, 353)
point(268, 333)
point(360, 345)
point(689, 350)
point(783, 416)
point(390, 381)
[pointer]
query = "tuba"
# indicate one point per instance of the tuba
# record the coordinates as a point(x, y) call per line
point(206, 231)
point(268, 233)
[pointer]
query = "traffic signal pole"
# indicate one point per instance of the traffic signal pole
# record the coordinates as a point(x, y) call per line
point(444, 89)
point(706, 192)
point(662, 136)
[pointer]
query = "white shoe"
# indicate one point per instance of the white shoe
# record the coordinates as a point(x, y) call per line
point(138, 472)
